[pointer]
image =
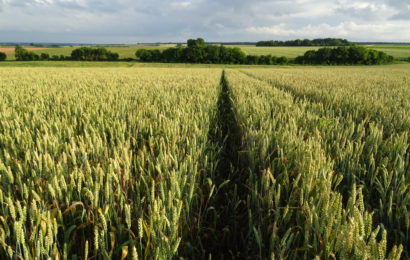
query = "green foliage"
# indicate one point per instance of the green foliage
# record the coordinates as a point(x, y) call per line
point(199, 52)
point(307, 42)
point(3, 56)
point(44, 56)
point(23, 54)
point(401, 52)
point(93, 54)
point(345, 55)
point(55, 57)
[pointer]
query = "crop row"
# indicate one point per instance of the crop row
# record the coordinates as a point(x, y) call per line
point(324, 185)
point(101, 163)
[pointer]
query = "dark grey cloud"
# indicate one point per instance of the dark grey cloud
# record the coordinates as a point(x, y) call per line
point(127, 21)
point(403, 8)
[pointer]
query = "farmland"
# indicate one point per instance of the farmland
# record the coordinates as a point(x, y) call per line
point(397, 51)
point(10, 50)
point(155, 161)
point(124, 52)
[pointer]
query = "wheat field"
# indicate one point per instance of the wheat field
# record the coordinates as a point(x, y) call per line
point(205, 163)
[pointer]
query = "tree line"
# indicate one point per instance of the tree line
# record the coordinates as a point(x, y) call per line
point(307, 42)
point(22, 54)
point(344, 56)
point(93, 54)
point(80, 54)
point(197, 51)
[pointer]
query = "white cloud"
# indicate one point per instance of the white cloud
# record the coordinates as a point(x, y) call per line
point(182, 4)
point(351, 30)
point(215, 20)
point(306, 31)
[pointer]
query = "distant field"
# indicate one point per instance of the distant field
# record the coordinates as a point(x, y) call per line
point(9, 50)
point(124, 52)
point(290, 52)
point(397, 51)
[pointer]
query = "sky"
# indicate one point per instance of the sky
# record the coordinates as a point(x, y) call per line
point(134, 21)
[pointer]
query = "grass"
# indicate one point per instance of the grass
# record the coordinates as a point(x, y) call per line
point(131, 64)
point(289, 52)
point(97, 64)
point(60, 64)
point(397, 51)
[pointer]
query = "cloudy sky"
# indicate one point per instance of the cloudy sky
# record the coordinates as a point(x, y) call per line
point(130, 21)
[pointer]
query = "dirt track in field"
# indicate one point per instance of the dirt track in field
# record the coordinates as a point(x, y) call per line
point(9, 50)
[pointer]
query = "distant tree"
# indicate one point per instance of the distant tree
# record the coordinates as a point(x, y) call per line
point(224, 56)
point(372, 57)
point(344, 55)
point(3, 56)
point(324, 55)
point(252, 59)
point(198, 43)
point(20, 53)
point(213, 54)
point(340, 55)
point(143, 55)
point(197, 51)
point(238, 56)
point(172, 54)
point(188, 55)
point(297, 42)
point(44, 56)
point(23, 54)
point(282, 60)
point(93, 54)
point(307, 42)
point(112, 56)
point(78, 54)
point(169, 55)
point(357, 55)
point(191, 43)
point(156, 55)
point(310, 57)
point(265, 59)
